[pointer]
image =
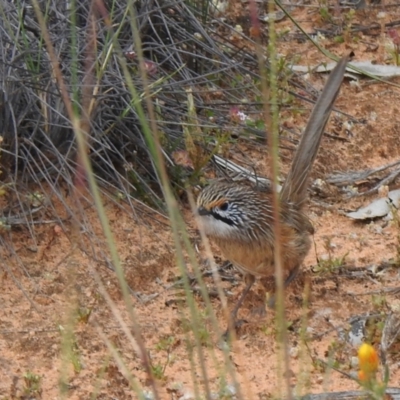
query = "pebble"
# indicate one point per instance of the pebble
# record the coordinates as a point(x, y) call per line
point(354, 362)
point(187, 396)
point(147, 395)
point(294, 352)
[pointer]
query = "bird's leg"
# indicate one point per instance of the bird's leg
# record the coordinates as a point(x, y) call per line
point(293, 274)
point(249, 279)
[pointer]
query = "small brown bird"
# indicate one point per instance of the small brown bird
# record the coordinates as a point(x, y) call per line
point(239, 218)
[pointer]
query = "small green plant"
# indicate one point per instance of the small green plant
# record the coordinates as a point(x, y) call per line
point(375, 324)
point(348, 21)
point(280, 34)
point(32, 384)
point(158, 370)
point(76, 359)
point(72, 353)
point(268, 330)
point(119, 196)
point(331, 263)
point(203, 332)
point(36, 199)
point(165, 343)
point(4, 226)
point(285, 73)
point(378, 301)
point(393, 47)
point(338, 39)
point(226, 391)
point(84, 314)
point(324, 12)
point(319, 365)
point(205, 337)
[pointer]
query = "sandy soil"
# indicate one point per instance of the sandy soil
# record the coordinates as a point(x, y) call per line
point(59, 282)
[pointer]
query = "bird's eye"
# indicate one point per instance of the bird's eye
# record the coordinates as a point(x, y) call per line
point(223, 206)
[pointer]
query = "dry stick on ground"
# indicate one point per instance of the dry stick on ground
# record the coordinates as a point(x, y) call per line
point(351, 177)
point(390, 333)
point(392, 393)
point(394, 290)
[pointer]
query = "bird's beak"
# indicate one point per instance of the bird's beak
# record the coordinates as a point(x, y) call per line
point(203, 211)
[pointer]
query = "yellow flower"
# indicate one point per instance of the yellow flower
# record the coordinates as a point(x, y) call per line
point(368, 360)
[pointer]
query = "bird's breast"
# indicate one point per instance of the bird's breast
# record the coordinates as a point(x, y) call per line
point(251, 258)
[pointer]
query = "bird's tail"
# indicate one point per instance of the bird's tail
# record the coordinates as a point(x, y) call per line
point(295, 187)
